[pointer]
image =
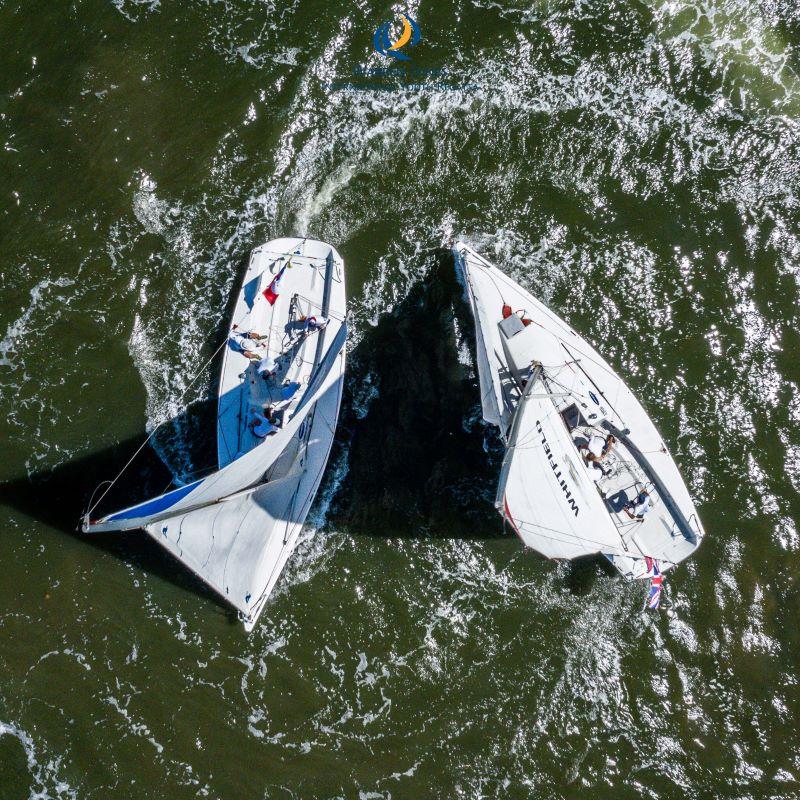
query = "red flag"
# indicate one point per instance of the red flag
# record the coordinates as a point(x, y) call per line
point(271, 292)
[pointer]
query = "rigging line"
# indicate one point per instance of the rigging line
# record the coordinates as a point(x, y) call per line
point(556, 319)
point(326, 422)
point(589, 377)
point(221, 429)
point(317, 305)
point(493, 281)
point(572, 538)
point(552, 535)
point(283, 254)
point(578, 395)
point(532, 434)
point(153, 432)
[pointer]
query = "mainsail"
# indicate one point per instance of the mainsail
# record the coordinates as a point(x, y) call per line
point(559, 513)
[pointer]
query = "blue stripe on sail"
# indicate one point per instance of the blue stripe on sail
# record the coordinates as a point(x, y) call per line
point(156, 505)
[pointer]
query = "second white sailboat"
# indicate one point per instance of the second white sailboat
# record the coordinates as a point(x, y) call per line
point(585, 470)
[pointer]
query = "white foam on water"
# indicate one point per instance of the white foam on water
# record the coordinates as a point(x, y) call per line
point(29, 330)
point(132, 9)
point(457, 587)
point(317, 202)
point(755, 638)
point(46, 783)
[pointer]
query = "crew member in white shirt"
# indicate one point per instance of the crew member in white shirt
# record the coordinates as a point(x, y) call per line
point(262, 425)
point(248, 343)
point(267, 367)
point(638, 508)
point(595, 451)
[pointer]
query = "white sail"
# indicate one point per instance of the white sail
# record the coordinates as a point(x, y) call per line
point(236, 528)
point(248, 470)
point(492, 403)
point(544, 490)
point(240, 546)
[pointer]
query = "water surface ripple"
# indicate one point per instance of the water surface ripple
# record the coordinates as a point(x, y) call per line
point(636, 165)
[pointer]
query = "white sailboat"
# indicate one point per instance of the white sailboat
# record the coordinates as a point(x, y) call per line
point(236, 528)
point(565, 487)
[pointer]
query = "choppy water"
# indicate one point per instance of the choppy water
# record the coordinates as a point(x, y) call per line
point(637, 165)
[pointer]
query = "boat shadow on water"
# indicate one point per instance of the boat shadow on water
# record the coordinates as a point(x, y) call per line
point(58, 498)
point(420, 461)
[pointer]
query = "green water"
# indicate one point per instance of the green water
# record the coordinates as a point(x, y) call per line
point(636, 165)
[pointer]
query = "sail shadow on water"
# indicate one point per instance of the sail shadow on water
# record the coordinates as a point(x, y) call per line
point(417, 458)
point(57, 498)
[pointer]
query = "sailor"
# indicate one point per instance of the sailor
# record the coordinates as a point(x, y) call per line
point(599, 447)
point(638, 508)
point(264, 424)
point(311, 324)
point(267, 368)
point(247, 343)
point(595, 451)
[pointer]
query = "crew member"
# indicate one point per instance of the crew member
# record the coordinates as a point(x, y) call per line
point(267, 368)
point(595, 451)
point(247, 343)
point(264, 424)
point(639, 507)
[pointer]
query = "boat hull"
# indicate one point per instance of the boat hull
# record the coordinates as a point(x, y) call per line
point(236, 528)
point(555, 499)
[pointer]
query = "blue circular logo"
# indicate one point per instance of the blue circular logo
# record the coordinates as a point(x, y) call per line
point(384, 45)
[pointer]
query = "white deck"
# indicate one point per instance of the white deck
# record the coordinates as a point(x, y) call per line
point(301, 292)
